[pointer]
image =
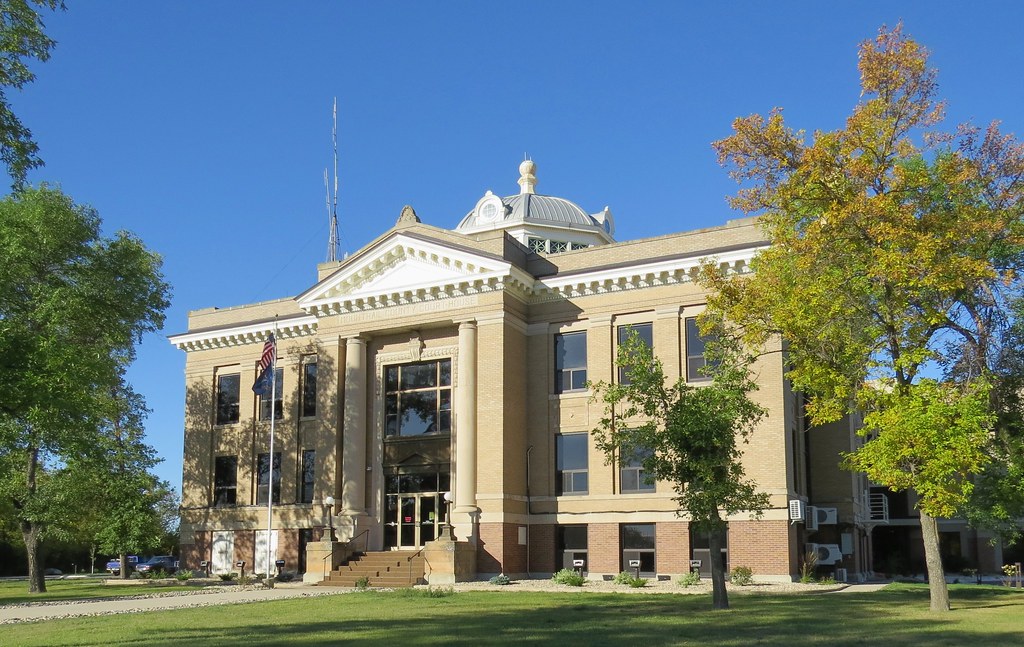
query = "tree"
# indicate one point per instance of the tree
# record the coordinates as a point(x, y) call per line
point(130, 503)
point(893, 246)
point(72, 306)
point(22, 39)
point(686, 435)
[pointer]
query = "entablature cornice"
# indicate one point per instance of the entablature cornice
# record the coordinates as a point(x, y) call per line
point(248, 333)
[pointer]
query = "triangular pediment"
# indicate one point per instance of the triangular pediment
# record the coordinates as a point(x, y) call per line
point(403, 269)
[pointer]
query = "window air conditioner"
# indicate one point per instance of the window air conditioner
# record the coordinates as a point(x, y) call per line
point(796, 510)
point(811, 521)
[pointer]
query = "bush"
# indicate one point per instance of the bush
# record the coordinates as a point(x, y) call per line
point(690, 579)
point(827, 581)
point(362, 582)
point(625, 577)
point(568, 577)
point(227, 577)
point(183, 576)
point(741, 576)
point(500, 580)
point(286, 576)
point(439, 592)
point(637, 582)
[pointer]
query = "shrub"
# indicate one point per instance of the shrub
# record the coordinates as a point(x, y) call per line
point(637, 582)
point(690, 579)
point(741, 576)
point(439, 592)
point(501, 580)
point(827, 581)
point(568, 577)
point(183, 576)
point(625, 577)
point(286, 576)
point(362, 582)
point(227, 577)
point(807, 566)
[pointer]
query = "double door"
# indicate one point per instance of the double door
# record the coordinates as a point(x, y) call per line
point(412, 519)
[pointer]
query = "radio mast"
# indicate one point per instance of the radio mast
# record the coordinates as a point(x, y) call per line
point(332, 205)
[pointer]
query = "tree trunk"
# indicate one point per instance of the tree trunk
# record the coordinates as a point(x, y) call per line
point(30, 529)
point(937, 588)
point(719, 595)
point(124, 565)
point(36, 578)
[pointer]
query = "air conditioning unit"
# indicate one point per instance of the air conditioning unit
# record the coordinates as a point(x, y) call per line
point(826, 516)
point(841, 575)
point(796, 510)
point(811, 522)
point(828, 554)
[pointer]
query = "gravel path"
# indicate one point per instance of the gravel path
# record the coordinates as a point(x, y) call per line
point(35, 611)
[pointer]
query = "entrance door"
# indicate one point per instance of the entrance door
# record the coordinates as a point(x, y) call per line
point(415, 518)
point(223, 551)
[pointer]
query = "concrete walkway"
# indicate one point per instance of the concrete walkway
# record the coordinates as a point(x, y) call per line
point(74, 608)
point(863, 588)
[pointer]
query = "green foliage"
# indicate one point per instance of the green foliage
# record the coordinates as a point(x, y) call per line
point(741, 576)
point(692, 434)
point(228, 577)
point(183, 575)
point(637, 582)
point(500, 580)
point(439, 591)
point(895, 249)
point(623, 578)
point(362, 583)
point(568, 577)
point(22, 40)
point(689, 579)
point(72, 306)
point(807, 566)
point(828, 580)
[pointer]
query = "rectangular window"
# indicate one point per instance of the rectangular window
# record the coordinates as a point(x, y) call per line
point(263, 478)
point(571, 458)
point(227, 398)
point(638, 544)
point(309, 387)
point(225, 480)
point(695, 352)
point(571, 362)
point(278, 398)
point(645, 332)
point(572, 546)
point(632, 476)
point(418, 399)
point(308, 473)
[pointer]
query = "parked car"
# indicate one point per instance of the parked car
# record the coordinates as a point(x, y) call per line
point(166, 563)
point(114, 565)
point(53, 571)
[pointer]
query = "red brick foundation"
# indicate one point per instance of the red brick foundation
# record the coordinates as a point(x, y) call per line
point(766, 547)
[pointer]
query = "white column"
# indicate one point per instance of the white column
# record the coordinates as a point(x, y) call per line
point(465, 420)
point(353, 462)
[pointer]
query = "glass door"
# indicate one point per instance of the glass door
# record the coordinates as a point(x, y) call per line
point(415, 519)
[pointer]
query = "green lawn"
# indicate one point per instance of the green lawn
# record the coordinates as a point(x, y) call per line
point(16, 592)
point(896, 616)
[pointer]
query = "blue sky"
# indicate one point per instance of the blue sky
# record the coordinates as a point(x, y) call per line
point(205, 127)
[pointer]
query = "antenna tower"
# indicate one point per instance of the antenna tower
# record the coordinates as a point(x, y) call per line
point(332, 205)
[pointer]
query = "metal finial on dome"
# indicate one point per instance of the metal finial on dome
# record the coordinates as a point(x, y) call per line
point(527, 177)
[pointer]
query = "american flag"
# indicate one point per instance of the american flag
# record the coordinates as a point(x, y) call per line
point(263, 381)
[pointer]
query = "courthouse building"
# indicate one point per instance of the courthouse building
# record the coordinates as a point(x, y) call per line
point(438, 361)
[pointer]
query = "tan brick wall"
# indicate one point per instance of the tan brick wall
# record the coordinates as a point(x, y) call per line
point(245, 549)
point(192, 554)
point(766, 547)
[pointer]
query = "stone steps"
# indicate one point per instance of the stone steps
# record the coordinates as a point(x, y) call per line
point(392, 569)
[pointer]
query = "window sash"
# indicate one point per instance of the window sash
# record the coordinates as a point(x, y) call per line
point(262, 477)
point(225, 480)
point(227, 398)
point(309, 389)
point(308, 475)
point(570, 362)
point(695, 343)
point(646, 333)
point(264, 400)
point(418, 398)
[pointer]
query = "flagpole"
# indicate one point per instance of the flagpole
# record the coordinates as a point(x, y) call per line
point(270, 479)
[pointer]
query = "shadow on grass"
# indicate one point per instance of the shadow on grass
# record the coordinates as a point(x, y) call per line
point(893, 617)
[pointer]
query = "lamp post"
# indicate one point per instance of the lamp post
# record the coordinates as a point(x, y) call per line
point(329, 502)
point(446, 532)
